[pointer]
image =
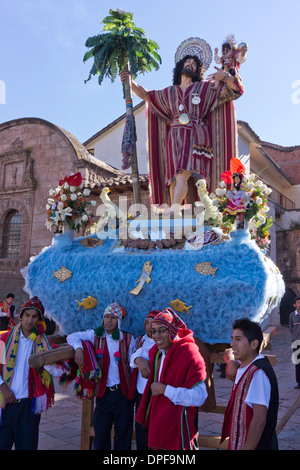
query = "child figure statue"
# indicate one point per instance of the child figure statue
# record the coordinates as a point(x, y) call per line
point(237, 196)
point(232, 56)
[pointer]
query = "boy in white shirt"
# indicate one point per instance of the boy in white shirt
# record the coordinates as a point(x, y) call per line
point(251, 414)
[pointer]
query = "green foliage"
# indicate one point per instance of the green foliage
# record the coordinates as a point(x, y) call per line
point(122, 42)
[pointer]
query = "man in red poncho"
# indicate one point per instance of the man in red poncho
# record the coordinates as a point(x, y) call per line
point(175, 387)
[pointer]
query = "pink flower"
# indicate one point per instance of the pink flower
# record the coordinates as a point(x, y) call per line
point(117, 356)
point(99, 353)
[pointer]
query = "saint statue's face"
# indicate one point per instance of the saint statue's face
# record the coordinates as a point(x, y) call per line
point(189, 67)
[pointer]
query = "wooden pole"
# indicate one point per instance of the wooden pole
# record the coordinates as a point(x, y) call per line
point(42, 359)
point(287, 415)
point(134, 163)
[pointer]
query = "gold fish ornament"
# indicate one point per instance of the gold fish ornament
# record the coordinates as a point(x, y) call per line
point(205, 268)
point(88, 302)
point(145, 277)
point(62, 274)
point(180, 306)
point(91, 242)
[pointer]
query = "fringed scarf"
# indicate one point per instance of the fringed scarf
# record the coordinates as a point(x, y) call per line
point(86, 377)
point(40, 384)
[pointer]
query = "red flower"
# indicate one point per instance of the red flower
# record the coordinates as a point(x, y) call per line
point(75, 180)
point(61, 182)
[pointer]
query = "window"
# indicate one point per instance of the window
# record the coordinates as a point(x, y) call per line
point(11, 235)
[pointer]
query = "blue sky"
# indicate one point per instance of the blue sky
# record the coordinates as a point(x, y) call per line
point(43, 42)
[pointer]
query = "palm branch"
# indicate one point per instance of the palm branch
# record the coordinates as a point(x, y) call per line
point(123, 45)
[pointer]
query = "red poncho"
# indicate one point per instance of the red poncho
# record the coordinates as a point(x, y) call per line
point(172, 426)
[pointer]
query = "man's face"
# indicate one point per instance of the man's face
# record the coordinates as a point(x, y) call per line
point(242, 350)
point(110, 323)
point(148, 326)
point(9, 300)
point(297, 305)
point(29, 320)
point(161, 336)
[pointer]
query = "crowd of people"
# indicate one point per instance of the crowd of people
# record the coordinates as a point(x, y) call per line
point(158, 377)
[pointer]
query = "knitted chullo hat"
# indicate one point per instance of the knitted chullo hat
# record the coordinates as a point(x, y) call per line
point(171, 320)
point(152, 314)
point(116, 311)
point(36, 304)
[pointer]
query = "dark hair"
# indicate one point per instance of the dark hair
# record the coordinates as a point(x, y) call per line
point(296, 298)
point(10, 295)
point(238, 185)
point(198, 77)
point(250, 329)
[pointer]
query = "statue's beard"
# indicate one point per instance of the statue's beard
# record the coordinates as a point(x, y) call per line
point(189, 72)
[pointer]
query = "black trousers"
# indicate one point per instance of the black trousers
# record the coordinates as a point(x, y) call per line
point(140, 431)
point(297, 366)
point(19, 426)
point(113, 408)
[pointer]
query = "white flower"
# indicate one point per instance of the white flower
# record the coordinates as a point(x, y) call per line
point(268, 191)
point(93, 203)
point(48, 207)
point(63, 197)
point(66, 186)
point(258, 183)
point(86, 192)
point(258, 200)
point(249, 185)
point(222, 184)
point(48, 224)
point(65, 212)
point(72, 189)
point(73, 197)
point(261, 219)
point(84, 217)
point(50, 201)
point(53, 206)
point(220, 192)
point(52, 192)
point(60, 205)
point(263, 188)
point(252, 177)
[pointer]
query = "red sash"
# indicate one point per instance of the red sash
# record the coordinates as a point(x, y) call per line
point(238, 414)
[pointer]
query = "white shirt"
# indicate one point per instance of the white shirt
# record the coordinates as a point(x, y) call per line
point(143, 352)
point(178, 395)
point(113, 378)
point(20, 379)
point(260, 388)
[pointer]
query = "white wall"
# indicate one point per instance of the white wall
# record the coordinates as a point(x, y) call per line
point(108, 147)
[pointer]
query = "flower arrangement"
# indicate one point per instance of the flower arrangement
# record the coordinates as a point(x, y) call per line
point(68, 204)
point(256, 208)
point(212, 216)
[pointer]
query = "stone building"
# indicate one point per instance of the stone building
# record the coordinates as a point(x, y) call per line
point(34, 156)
